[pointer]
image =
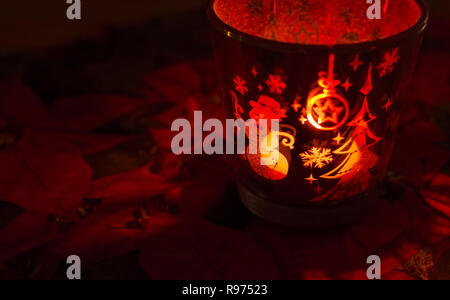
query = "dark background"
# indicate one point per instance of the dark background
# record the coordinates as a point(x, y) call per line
point(59, 57)
point(114, 50)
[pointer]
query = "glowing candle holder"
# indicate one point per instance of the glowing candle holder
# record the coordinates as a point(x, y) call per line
point(335, 80)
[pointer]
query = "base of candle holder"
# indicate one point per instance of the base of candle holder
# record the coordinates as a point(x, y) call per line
point(303, 217)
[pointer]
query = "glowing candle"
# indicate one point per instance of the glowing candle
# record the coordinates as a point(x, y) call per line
point(335, 80)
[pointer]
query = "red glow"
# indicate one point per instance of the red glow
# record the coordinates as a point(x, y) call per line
point(317, 21)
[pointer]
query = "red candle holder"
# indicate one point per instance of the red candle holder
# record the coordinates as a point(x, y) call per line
point(335, 80)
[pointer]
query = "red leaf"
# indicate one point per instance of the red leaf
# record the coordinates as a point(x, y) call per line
point(26, 232)
point(90, 112)
point(202, 190)
point(175, 83)
point(397, 275)
point(43, 175)
point(202, 251)
point(101, 237)
point(302, 254)
point(416, 155)
point(272, 237)
point(163, 138)
point(425, 222)
point(316, 255)
point(170, 115)
point(437, 194)
point(381, 226)
point(133, 184)
point(432, 88)
point(90, 143)
point(19, 104)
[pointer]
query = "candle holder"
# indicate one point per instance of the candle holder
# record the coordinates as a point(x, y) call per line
point(334, 79)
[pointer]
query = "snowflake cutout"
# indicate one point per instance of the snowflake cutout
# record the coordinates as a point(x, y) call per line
point(240, 85)
point(317, 157)
point(276, 84)
point(389, 60)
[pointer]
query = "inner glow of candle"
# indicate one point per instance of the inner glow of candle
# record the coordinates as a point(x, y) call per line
point(321, 22)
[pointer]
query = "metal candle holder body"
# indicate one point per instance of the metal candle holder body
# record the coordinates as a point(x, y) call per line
point(338, 105)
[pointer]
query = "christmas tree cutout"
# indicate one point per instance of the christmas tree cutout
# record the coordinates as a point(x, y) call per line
point(363, 135)
point(361, 139)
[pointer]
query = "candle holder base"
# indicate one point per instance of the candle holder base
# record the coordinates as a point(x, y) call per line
point(303, 217)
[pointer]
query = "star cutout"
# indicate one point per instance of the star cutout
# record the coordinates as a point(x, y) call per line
point(338, 139)
point(296, 106)
point(303, 120)
point(328, 112)
point(260, 88)
point(311, 179)
point(356, 63)
point(254, 72)
point(388, 104)
point(347, 84)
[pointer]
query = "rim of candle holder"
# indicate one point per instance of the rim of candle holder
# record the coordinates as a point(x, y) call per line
point(269, 44)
